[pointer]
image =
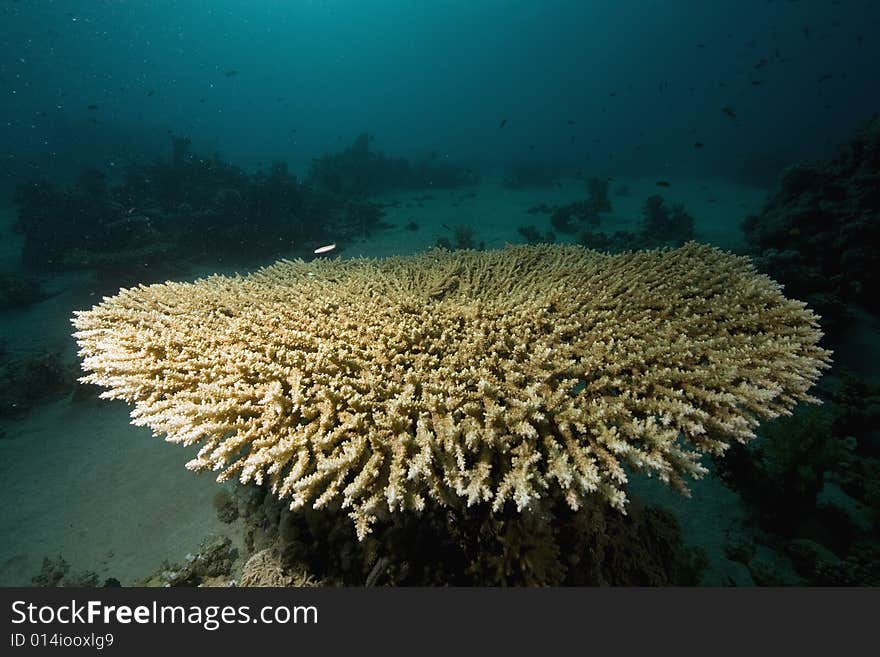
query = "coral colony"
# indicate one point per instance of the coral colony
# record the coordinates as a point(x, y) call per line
point(513, 377)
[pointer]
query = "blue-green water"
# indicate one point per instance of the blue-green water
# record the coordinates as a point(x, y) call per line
point(148, 141)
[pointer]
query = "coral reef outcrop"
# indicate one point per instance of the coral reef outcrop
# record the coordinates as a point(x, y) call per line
point(820, 231)
point(661, 226)
point(359, 170)
point(191, 208)
point(209, 565)
point(264, 568)
point(26, 382)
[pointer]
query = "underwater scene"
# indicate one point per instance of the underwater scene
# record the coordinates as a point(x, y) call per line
point(440, 293)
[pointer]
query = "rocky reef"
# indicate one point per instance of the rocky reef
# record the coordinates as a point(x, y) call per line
point(819, 232)
point(188, 208)
point(661, 226)
point(27, 381)
point(360, 170)
point(810, 483)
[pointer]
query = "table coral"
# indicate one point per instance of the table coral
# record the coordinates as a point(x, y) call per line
point(507, 378)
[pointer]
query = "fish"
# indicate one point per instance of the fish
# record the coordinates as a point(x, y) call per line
point(729, 111)
point(664, 183)
point(231, 72)
point(824, 76)
point(570, 122)
point(325, 249)
point(698, 144)
point(92, 107)
point(151, 92)
point(503, 123)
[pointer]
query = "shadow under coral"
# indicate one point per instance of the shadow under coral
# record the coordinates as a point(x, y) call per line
point(595, 546)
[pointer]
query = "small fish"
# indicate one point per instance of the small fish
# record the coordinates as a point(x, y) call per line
point(92, 107)
point(825, 76)
point(325, 249)
point(230, 73)
point(664, 183)
point(151, 92)
point(698, 144)
point(570, 122)
point(757, 83)
point(503, 123)
point(729, 111)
